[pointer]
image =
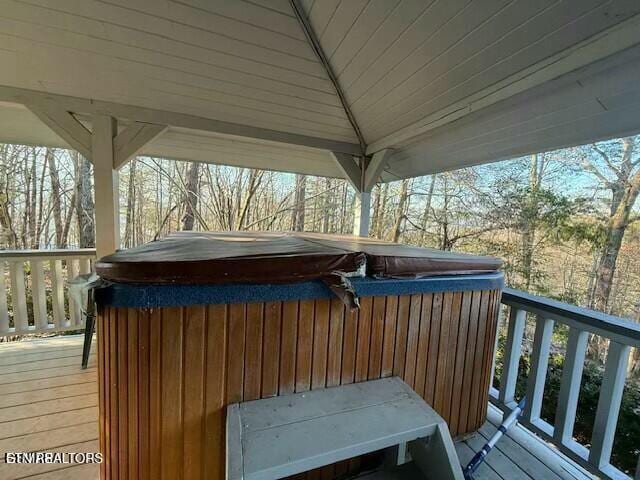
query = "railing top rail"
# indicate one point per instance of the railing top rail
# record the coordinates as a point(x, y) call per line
point(48, 253)
point(617, 328)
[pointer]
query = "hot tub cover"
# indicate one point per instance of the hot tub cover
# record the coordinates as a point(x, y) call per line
point(268, 257)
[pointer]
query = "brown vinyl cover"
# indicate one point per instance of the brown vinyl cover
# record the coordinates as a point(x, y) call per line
point(387, 259)
point(268, 257)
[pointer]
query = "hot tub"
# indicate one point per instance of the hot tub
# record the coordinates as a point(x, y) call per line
point(194, 322)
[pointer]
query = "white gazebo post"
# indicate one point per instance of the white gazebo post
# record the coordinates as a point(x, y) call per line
point(351, 168)
point(110, 152)
point(105, 181)
point(371, 172)
point(97, 146)
point(362, 214)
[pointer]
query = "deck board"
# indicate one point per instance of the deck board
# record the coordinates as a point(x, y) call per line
point(50, 404)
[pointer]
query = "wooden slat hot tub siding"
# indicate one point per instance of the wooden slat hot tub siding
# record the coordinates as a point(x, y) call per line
point(163, 393)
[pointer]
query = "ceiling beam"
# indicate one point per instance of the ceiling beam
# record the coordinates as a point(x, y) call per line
point(65, 125)
point(608, 42)
point(350, 170)
point(375, 168)
point(317, 48)
point(89, 106)
point(129, 142)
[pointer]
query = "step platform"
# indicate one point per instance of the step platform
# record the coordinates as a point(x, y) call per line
point(281, 436)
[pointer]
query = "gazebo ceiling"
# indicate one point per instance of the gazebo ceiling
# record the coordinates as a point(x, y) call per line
point(444, 84)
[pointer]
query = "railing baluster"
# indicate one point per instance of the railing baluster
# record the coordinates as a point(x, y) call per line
point(604, 427)
point(4, 310)
point(39, 296)
point(539, 364)
point(19, 297)
point(570, 385)
point(495, 344)
point(515, 332)
point(85, 266)
point(74, 311)
point(57, 294)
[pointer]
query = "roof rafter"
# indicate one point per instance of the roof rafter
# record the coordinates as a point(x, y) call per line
point(317, 48)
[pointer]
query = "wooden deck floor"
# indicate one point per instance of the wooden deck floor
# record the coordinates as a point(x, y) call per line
point(512, 460)
point(48, 403)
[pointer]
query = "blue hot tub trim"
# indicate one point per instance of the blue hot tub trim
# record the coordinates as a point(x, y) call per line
point(150, 296)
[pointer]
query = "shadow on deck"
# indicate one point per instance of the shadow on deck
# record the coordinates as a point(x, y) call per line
point(48, 403)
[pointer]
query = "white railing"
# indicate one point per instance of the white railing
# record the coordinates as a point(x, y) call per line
point(622, 335)
point(34, 290)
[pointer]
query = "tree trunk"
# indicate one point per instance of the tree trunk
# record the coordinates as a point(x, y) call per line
point(139, 219)
point(9, 237)
point(375, 217)
point(445, 241)
point(383, 211)
point(343, 211)
point(40, 208)
point(624, 196)
point(427, 209)
point(297, 214)
point(191, 198)
point(55, 196)
point(400, 213)
point(529, 230)
point(26, 214)
point(607, 265)
point(255, 178)
point(64, 240)
point(33, 208)
point(85, 204)
point(129, 229)
point(326, 205)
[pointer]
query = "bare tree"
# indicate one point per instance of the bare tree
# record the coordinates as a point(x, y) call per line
point(532, 206)
point(130, 228)
point(298, 211)
point(255, 179)
point(56, 196)
point(85, 207)
point(378, 223)
point(400, 211)
point(616, 167)
point(191, 196)
point(7, 173)
point(427, 209)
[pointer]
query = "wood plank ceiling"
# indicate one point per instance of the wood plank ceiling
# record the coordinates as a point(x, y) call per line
point(399, 64)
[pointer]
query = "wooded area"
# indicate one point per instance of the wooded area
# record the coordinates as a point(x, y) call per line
point(565, 223)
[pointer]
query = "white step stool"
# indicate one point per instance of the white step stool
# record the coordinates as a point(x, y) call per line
point(281, 436)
